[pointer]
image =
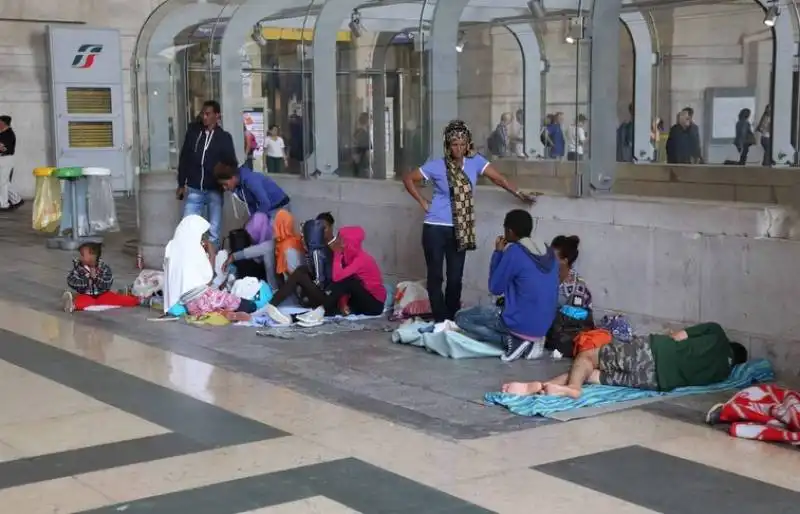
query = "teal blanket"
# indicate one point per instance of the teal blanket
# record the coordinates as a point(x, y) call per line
point(743, 375)
point(447, 344)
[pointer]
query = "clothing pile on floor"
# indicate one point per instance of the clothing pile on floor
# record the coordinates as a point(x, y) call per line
point(763, 413)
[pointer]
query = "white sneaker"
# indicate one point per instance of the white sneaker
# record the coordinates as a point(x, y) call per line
point(312, 317)
point(277, 316)
point(68, 301)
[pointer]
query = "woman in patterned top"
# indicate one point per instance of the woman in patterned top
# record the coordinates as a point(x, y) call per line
point(572, 290)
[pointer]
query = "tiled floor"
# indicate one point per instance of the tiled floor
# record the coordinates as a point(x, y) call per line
point(108, 413)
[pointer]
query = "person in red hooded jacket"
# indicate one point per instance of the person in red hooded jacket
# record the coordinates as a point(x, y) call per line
point(357, 285)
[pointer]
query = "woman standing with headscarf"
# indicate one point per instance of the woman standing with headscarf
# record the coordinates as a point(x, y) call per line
point(449, 227)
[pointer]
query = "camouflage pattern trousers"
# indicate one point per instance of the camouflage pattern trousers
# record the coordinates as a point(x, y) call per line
point(628, 364)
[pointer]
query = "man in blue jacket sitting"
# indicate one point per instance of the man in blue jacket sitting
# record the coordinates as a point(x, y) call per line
point(257, 191)
point(528, 284)
point(205, 145)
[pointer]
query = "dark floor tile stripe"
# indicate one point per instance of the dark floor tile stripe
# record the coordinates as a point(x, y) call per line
point(671, 485)
point(197, 420)
point(351, 482)
point(95, 458)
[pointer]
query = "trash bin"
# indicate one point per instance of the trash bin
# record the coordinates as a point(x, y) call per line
point(101, 208)
point(74, 208)
point(74, 188)
point(47, 201)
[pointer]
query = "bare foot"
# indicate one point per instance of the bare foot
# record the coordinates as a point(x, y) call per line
point(236, 316)
point(522, 388)
point(561, 390)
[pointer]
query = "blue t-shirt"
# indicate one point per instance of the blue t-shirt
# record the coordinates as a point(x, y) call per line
point(440, 211)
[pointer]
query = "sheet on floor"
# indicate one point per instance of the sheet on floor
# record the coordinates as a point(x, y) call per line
point(743, 375)
point(453, 345)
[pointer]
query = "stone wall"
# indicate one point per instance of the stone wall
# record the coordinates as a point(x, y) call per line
point(664, 262)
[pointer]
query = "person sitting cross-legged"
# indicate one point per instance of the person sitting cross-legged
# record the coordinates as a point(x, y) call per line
point(528, 282)
point(697, 356)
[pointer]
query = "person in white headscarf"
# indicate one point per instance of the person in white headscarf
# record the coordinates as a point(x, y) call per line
point(188, 273)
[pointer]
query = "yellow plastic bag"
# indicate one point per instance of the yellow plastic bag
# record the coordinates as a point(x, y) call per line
point(47, 204)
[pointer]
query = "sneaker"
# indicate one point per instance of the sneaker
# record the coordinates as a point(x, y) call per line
point(536, 351)
point(68, 301)
point(312, 317)
point(16, 205)
point(277, 316)
point(713, 414)
point(310, 324)
point(514, 348)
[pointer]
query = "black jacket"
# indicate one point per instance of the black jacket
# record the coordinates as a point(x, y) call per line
point(683, 145)
point(195, 169)
point(9, 139)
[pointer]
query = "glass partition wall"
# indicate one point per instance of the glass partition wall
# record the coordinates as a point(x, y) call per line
point(363, 89)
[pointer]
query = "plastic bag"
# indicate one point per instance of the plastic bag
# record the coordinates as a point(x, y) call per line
point(47, 205)
point(102, 209)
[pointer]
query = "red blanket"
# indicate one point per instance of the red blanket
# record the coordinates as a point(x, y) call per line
point(764, 413)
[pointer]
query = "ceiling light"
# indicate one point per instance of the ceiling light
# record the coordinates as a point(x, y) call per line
point(772, 15)
point(461, 42)
point(574, 30)
point(356, 28)
point(536, 8)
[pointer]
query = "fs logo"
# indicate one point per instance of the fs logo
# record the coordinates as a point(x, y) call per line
point(84, 59)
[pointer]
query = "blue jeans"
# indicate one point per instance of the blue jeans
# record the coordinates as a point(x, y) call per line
point(207, 204)
point(441, 252)
point(482, 323)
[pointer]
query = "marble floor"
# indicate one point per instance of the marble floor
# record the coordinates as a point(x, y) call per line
point(109, 413)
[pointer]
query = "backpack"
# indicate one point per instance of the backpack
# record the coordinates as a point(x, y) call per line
point(563, 331)
point(495, 143)
point(238, 240)
point(318, 255)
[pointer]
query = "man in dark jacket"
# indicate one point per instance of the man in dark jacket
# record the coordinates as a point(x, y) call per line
point(683, 144)
point(205, 145)
point(9, 199)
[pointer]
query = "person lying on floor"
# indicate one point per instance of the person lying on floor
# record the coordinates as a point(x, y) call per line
point(253, 249)
point(528, 283)
point(696, 356)
point(357, 286)
point(91, 279)
point(574, 299)
point(189, 273)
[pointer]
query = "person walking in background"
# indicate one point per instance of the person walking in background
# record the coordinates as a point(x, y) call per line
point(556, 132)
point(764, 128)
point(694, 132)
point(516, 134)
point(658, 138)
point(9, 199)
point(682, 144)
point(544, 137)
point(275, 149)
point(576, 139)
point(499, 142)
point(362, 146)
point(250, 147)
point(744, 136)
point(625, 134)
point(203, 148)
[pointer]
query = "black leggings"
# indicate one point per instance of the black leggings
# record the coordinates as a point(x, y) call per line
point(360, 300)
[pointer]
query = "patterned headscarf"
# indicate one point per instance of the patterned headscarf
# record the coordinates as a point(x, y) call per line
point(461, 198)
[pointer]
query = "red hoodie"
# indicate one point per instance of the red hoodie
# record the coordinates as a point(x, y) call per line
point(353, 260)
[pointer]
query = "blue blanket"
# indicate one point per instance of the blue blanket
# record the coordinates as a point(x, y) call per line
point(453, 345)
point(743, 375)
